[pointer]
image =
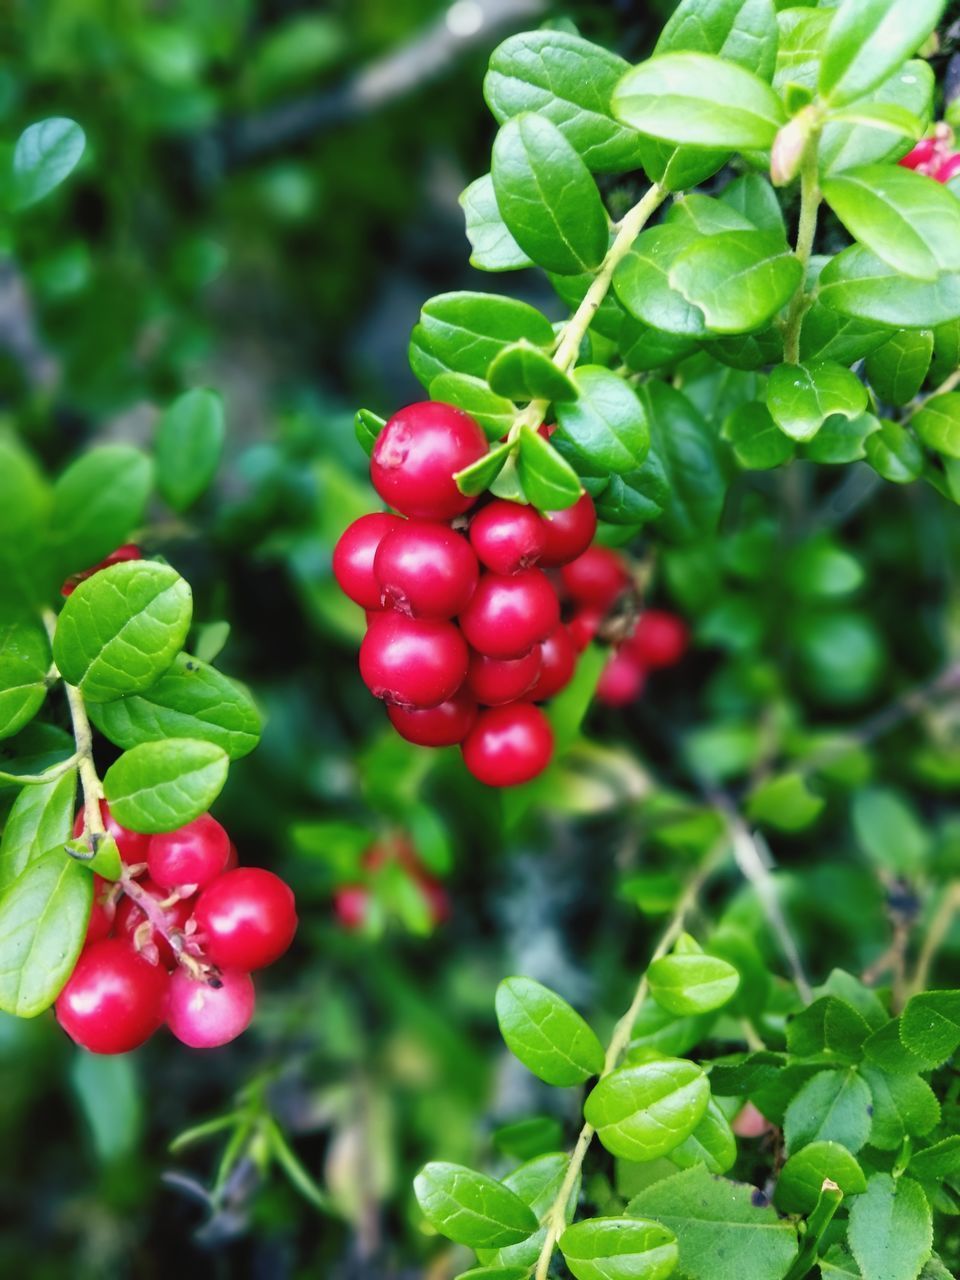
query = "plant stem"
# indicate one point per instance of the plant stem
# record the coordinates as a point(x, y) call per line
point(948, 384)
point(943, 918)
point(555, 1217)
point(810, 198)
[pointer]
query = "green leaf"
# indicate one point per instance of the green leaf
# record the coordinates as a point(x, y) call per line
point(889, 116)
point(43, 920)
point(532, 1136)
point(24, 512)
point(549, 482)
point(97, 503)
point(619, 1249)
point(111, 1096)
point(537, 1183)
point(464, 331)
point(159, 786)
point(494, 248)
point(827, 335)
point(657, 1029)
point(525, 372)
point(891, 1229)
point(798, 1188)
point(841, 439)
point(470, 1208)
point(886, 1050)
point(494, 1273)
point(24, 662)
point(40, 819)
point(705, 215)
point(930, 1026)
point(833, 1106)
point(755, 199)
point(938, 423)
point(189, 442)
point(848, 145)
point(827, 1026)
point(722, 1232)
point(801, 33)
point(738, 280)
point(860, 284)
point(606, 425)
point(367, 425)
point(32, 751)
point(756, 440)
point(494, 414)
point(868, 39)
point(897, 369)
point(190, 700)
point(837, 1264)
point(546, 196)
point(643, 1112)
point(122, 628)
point(481, 474)
point(801, 397)
point(740, 31)
point(547, 1036)
point(569, 81)
point(889, 831)
point(686, 983)
point(711, 1144)
point(46, 153)
point(688, 453)
point(642, 282)
point(785, 803)
point(902, 1105)
point(940, 1161)
point(908, 220)
point(701, 99)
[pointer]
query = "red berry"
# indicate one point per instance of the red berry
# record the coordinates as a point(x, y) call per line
point(926, 151)
point(418, 453)
point(130, 917)
point(559, 660)
point(350, 903)
point(509, 615)
point(103, 910)
point(204, 1016)
point(621, 681)
point(508, 745)
point(233, 858)
point(949, 169)
point(131, 844)
point(584, 625)
point(193, 854)
point(568, 533)
point(129, 551)
point(438, 901)
point(353, 557)
point(659, 639)
point(507, 536)
point(414, 662)
point(496, 681)
point(114, 999)
point(442, 726)
point(596, 577)
point(246, 919)
point(425, 569)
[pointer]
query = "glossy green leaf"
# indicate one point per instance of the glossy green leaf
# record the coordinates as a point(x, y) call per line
point(850, 143)
point(548, 480)
point(841, 439)
point(902, 1105)
point(43, 920)
point(525, 372)
point(833, 1106)
point(938, 424)
point(825, 334)
point(159, 786)
point(642, 282)
point(868, 39)
point(24, 663)
point(755, 199)
point(802, 33)
point(606, 425)
point(464, 331)
point(891, 1229)
point(860, 284)
point(494, 414)
point(537, 1183)
point(801, 397)
point(711, 1144)
point(897, 369)
point(481, 474)
point(470, 1208)
point(367, 425)
point(645, 1111)
point(798, 1188)
point(494, 1273)
point(45, 154)
point(942, 1160)
point(705, 215)
point(686, 983)
point(619, 1249)
point(785, 802)
point(546, 1034)
point(189, 442)
point(740, 31)
point(756, 440)
point(494, 248)
point(738, 280)
point(689, 455)
point(24, 512)
point(930, 1026)
point(97, 503)
point(40, 819)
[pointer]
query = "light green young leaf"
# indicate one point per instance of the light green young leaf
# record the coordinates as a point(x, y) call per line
point(801, 397)
point(546, 1034)
point(24, 662)
point(642, 283)
point(938, 422)
point(97, 503)
point(902, 1105)
point(606, 425)
point(785, 803)
point(645, 1111)
point(481, 474)
point(494, 413)
point(464, 331)
point(525, 372)
point(537, 1183)
point(45, 154)
point(189, 442)
point(868, 39)
point(549, 482)
point(619, 1249)
point(845, 144)
point(692, 983)
point(897, 369)
point(891, 1229)
point(494, 248)
point(712, 1144)
point(40, 820)
point(159, 786)
point(470, 1208)
point(367, 426)
point(798, 1188)
point(740, 31)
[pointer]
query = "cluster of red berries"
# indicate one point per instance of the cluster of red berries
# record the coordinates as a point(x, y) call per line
point(174, 941)
point(355, 904)
point(129, 551)
point(935, 155)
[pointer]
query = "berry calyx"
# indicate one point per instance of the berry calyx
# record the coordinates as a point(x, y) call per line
point(413, 662)
point(354, 554)
point(659, 639)
point(621, 681)
point(558, 663)
point(205, 1014)
point(246, 919)
point(509, 615)
point(507, 536)
point(132, 845)
point(425, 569)
point(192, 855)
point(441, 726)
point(596, 577)
point(131, 922)
point(497, 681)
point(568, 533)
point(508, 745)
point(416, 456)
point(114, 1000)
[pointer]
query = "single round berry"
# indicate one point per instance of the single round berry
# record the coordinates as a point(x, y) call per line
point(507, 536)
point(509, 615)
point(246, 919)
point(559, 661)
point(442, 726)
point(132, 845)
point(923, 154)
point(413, 662)
point(659, 639)
point(351, 903)
point(353, 557)
point(949, 169)
point(596, 577)
point(114, 1000)
point(621, 681)
point(497, 681)
point(584, 625)
point(205, 1016)
point(425, 569)
point(508, 745)
point(130, 916)
point(102, 912)
point(193, 854)
point(568, 533)
point(417, 455)
point(233, 858)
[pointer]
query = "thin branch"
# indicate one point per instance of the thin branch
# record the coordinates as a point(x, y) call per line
point(810, 198)
point(940, 926)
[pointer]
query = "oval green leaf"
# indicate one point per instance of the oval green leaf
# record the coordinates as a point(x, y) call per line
point(97, 503)
point(692, 983)
point(546, 1034)
point(470, 1208)
point(802, 1177)
point(619, 1249)
point(643, 1112)
point(45, 154)
point(24, 662)
point(189, 442)
point(40, 819)
point(159, 786)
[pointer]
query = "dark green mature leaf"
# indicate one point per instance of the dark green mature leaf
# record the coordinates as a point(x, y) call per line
point(701, 99)
point(481, 474)
point(738, 280)
point(494, 248)
point(689, 455)
point(645, 1111)
point(690, 982)
point(568, 80)
point(24, 662)
point(860, 284)
point(464, 331)
point(833, 1106)
point(891, 1229)
point(41, 819)
point(886, 1050)
point(740, 31)
point(634, 498)
point(838, 1264)
point(546, 1034)
point(547, 196)
point(24, 510)
point(828, 1026)
point(755, 199)
point(470, 1208)
point(494, 413)
point(897, 369)
point(122, 628)
point(46, 153)
point(642, 282)
point(756, 440)
point(930, 1026)
point(43, 920)
point(619, 1249)
point(525, 372)
point(798, 1188)
point(938, 423)
point(606, 425)
point(97, 503)
point(722, 1232)
point(940, 1161)
point(159, 786)
point(801, 397)
point(827, 335)
point(902, 1105)
point(548, 480)
point(841, 439)
point(189, 442)
point(190, 700)
point(868, 39)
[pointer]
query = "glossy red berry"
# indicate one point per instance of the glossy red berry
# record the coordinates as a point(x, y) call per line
point(416, 456)
point(596, 577)
point(659, 639)
point(129, 551)
point(508, 745)
point(130, 917)
point(425, 569)
point(191, 855)
point(353, 557)
point(949, 169)
point(233, 858)
point(102, 912)
point(132, 845)
point(114, 999)
point(584, 625)
point(509, 615)
point(621, 681)
point(558, 663)
point(246, 919)
point(923, 154)
point(205, 1016)
point(497, 681)
point(351, 902)
point(507, 536)
point(568, 533)
point(413, 662)
point(442, 726)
